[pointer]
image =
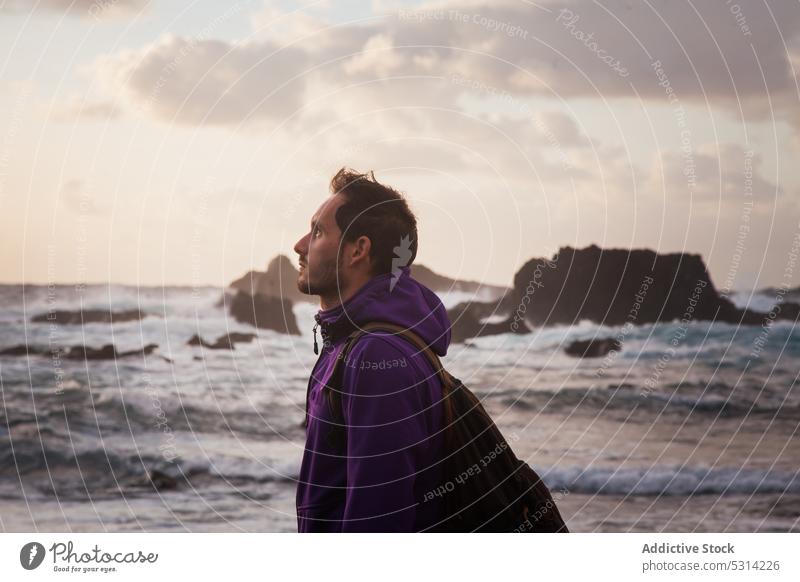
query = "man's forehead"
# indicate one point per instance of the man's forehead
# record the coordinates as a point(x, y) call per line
point(327, 209)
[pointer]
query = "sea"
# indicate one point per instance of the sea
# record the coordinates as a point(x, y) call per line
point(688, 428)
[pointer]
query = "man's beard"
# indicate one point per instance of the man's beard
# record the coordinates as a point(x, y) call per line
point(326, 280)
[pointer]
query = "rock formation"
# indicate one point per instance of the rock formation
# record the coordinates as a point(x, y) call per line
point(267, 297)
point(80, 352)
point(440, 283)
point(615, 286)
point(20, 350)
point(611, 287)
point(592, 348)
point(469, 319)
point(107, 352)
point(224, 342)
point(279, 280)
point(264, 312)
point(64, 317)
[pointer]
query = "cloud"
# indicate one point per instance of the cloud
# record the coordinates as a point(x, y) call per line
point(715, 173)
point(95, 9)
point(81, 198)
point(564, 50)
point(567, 45)
point(390, 81)
point(377, 57)
point(209, 82)
point(287, 26)
point(77, 109)
point(560, 129)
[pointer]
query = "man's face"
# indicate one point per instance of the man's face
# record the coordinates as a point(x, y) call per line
point(318, 251)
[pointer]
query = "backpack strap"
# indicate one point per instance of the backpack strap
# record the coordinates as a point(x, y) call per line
point(333, 388)
point(415, 340)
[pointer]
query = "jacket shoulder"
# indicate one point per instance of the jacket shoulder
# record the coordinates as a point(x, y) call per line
point(386, 344)
point(386, 356)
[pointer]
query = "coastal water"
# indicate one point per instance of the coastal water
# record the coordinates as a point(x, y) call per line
point(687, 428)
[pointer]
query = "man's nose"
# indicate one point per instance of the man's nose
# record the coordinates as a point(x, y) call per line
point(301, 246)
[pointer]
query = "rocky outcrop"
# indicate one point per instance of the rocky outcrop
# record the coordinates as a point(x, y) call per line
point(20, 350)
point(107, 352)
point(264, 312)
point(592, 348)
point(279, 280)
point(64, 317)
point(615, 286)
point(80, 352)
point(474, 319)
point(264, 299)
point(161, 481)
point(224, 342)
point(611, 287)
point(791, 293)
point(440, 283)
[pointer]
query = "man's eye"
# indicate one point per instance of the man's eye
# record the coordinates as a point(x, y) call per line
point(315, 231)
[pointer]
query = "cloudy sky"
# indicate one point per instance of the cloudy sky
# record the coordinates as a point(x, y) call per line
point(161, 142)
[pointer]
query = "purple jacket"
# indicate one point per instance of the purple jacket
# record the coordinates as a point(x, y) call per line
point(391, 404)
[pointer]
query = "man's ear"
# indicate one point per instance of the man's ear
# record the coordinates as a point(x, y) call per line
point(359, 253)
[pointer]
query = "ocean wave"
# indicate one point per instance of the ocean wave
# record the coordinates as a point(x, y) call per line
point(671, 480)
point(628, 399)
point(72, 471)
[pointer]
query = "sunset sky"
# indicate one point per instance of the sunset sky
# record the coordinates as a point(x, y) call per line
point(168, 142)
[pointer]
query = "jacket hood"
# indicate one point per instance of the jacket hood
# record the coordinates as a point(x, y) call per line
point(398, 299)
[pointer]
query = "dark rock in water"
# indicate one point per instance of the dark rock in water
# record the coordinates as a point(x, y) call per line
point(20, 350)
point(264, 312)
point(224, 298)
point(467, 320)
point(790, 311)
point(224, 342)
point(593, 348)
point(618, 286)
point(82, 352)
point(64, 317)
point(161, 481)
point(238, 337)
point(440, 283)
point(107, 352)
point(196, 340)
point(145, 351)
point(611, 287)
point(264, 299)
point(792, 294)
point(279, 280)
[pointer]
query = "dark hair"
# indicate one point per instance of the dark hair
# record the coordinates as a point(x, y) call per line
point(378, 212)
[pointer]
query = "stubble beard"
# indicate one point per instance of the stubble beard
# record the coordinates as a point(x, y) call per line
point(325, 280)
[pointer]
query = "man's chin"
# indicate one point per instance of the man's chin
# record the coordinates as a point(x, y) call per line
point(303, 287)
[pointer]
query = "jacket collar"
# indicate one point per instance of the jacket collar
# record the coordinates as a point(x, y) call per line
point(342, 319)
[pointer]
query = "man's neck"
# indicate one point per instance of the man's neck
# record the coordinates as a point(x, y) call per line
point(342, 294)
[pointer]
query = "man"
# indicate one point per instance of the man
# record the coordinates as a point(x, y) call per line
point(357, 258)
